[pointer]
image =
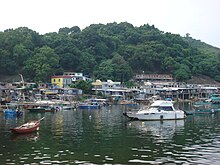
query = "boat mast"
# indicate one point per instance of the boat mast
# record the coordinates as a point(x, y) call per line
point(23, 87)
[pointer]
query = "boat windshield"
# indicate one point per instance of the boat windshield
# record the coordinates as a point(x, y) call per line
point(166, 108)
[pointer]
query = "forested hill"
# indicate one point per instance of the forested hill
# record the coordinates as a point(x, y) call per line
point(113, 51)
point(202, 46)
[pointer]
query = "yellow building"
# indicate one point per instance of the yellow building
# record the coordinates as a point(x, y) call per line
point(61, 81)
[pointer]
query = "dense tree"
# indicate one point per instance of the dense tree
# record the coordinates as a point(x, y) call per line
point(182, 73)
point(42, 65)
point(87, 63)
point(7, 64)
point(85, 86)
point(105, 71)
point(116, 69)
point(112, 51)
point(20, 54)
point(121, 69)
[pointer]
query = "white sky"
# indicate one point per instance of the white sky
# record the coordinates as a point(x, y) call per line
point(199, 18)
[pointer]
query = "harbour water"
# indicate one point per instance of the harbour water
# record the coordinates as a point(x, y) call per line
point(105, 136)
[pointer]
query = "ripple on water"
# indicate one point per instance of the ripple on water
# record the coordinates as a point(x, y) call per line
point(197, 142)
point(108, 158)
point(142, 161)
point(45, 162)
point(80, 162)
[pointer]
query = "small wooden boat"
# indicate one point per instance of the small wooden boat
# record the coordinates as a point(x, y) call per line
point(28, 127)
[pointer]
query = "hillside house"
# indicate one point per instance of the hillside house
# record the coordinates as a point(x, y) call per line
point(62, 81)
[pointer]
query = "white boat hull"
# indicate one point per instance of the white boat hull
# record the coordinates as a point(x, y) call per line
point(156, 116)
point(161, 115)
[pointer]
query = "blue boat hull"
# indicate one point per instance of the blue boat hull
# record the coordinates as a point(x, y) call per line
point(12, 112)
point(88, 106)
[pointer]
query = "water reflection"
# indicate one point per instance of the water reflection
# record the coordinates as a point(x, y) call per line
point(191, 141)
point(161, 130)
point(105, 136)
point(33, 136)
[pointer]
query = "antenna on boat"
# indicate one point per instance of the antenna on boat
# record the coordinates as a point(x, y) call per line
point(41, 118)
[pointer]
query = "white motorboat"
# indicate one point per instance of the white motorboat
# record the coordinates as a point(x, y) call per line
point(158, 110)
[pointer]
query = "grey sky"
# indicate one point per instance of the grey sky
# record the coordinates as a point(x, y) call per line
point(199, 18)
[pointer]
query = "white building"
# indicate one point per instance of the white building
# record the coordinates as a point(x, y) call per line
point(113, 89)
point(76, 76)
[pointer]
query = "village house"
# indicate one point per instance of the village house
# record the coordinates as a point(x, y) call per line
point(159, 78)
point(61, 81)
point(115, 90)
point(165, 86)
point(76, 76)
point(65, 80)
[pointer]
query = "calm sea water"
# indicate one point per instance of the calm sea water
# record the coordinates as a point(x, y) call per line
point(105, 136)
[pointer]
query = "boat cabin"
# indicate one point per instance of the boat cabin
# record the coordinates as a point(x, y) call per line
point(163, 105)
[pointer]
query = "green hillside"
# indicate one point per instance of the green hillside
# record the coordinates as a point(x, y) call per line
point(203, 47)
point(113, 51)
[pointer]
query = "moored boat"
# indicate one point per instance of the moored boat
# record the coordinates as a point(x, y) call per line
point(28, 127)
point(196, 112)
point(203, 108)
point(215, 98)
point(203, 111)
point(42, 109)
point(202, 103)
point(66, 106)
point(12, 112)
point(89, 105)
point(158, 110)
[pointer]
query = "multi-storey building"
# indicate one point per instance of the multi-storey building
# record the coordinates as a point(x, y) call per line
point(67, 79)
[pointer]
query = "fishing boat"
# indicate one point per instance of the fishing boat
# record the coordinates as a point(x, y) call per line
point(202, 111)
point(202, 103)
point(215, 98)
point(66, 106)
point(12, 112)
point(28, 127)
point(203, 108)
point(158, 110)
point(41, 109)
point(89, 105)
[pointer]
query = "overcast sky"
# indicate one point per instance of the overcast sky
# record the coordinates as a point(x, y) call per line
point(199, 18)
